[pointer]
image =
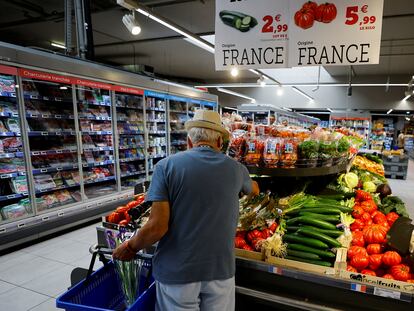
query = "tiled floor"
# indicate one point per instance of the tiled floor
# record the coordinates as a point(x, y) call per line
point(32, 278)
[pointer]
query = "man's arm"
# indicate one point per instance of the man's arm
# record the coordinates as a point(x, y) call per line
point(151, 232)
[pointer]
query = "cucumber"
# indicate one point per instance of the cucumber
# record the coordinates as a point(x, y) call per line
point(244, 28)
point(320, 236)
point(232, 21)
point(330, 218)
point(342, 208)
point(314, 262)
point(234, 13)
point(254, 22)
point(247, 20)
point(319, 210)
point(311, 221)
point(331, 233)
point(293, 228)
point(307, 249)
point(296, 238)
point(304, 255)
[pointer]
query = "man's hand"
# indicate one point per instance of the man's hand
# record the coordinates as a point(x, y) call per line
point(123, 252)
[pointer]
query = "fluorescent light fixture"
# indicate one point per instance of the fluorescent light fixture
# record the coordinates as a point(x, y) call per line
point(279, 91)
point(408, 112)
point(177, 85)
point(408, 119)
point(407, 97)
point(252, 85)
point(193, 38)
point(299, 91)
point(58, 45)
point(230, 108)
point(234, 72)
point(287, 109)
point(329, 109)
point(236, 94)
point(389, 111)
point(255, 72)
point(63, 87)
point(131, 24)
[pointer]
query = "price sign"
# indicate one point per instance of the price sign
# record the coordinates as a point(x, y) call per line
point(341, 32)
point(251, 36)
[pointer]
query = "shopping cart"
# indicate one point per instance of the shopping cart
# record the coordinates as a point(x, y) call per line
point(101, 290)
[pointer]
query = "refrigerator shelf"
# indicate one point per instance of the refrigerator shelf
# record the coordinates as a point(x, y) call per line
point(39, 171)
point(131, 159)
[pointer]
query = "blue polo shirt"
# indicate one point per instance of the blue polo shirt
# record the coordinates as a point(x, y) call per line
point(202, 187)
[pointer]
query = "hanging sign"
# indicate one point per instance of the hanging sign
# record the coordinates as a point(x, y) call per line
point(45, 76)
point(93, 84)
point(8, 70)
point(338, 32)
point(251, 35)
point(126, 89)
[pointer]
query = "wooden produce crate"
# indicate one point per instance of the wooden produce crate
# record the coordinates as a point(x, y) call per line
point(340, 262)
point(259, 256)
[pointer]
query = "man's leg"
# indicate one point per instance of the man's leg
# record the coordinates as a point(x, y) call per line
point(178, 297)
point(218, 295)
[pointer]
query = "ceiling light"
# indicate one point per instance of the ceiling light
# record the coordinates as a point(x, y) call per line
point(58, 45)
point(234, 72)
point(389, 111)
point(408, 119)
point(287, 109)
point(236, 94)
point(302, 93)
point(279, 91)
point(63, 87)
point(408, 112)
point(131, 24)
point(163, 21)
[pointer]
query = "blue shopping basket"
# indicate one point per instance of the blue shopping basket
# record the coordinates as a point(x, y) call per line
point(101, 291)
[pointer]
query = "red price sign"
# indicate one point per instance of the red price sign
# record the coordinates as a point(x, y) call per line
point(355, 14)
point(273, 25)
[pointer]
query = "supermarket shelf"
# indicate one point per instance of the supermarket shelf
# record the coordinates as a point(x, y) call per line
point(9, 114)
point(157, 145)
point(179, 144)
point(98, 149)
point(131, 159)
point(11, 155)
point(95, 118)
point(49, 116)
point(56, 189)
point(132, 174)
point(178, 111)
point(154, 109)
point(98, 180)
point(127, 107)
point(132, 133)
point(177, 121)
point(94, 103)
point(96, 164)
point(157, 156)
point(13, 196)
point(123, 120)
point(12, 175)
point(49, 99)
point(157, 132)
point(131, 147)
point(178, 132)
point(97, 132)
point(156, 121)
point(9, 134)
point(57, 133)
point(54, 169)
point(297, 172)
point(50, 152)
point(8, 95)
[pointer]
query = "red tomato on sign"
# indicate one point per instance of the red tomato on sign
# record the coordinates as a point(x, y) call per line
point(310, 5)
point(304, 18)
point(326, 13)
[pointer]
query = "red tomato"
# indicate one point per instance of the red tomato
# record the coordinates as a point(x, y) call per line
point(369, 206)
point(400, 272)
point(368, 272)
point(239, 242)
point(304, 18)
point(355, 250)
point(254, 234)
point(358, 212)
point(358, 238)
point(132, 204)
point(266, 233)
point(362, 196)
point(360, 261)
point(127, 217)
point(273, 227)
point(326, 13)
point(392, 217)
point(358, 224)
point(310, 5)
point(351, 269)
point(365, 217)
point(379, 218)
point(374, 249)
point(241, 234)
point(247, 247)
point(122, 209)
point(388, 276)
point(114, 217)
point(391, 258)
point(375, 261)
point(375, 234)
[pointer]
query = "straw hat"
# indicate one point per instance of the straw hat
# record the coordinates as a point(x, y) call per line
point(209, 120)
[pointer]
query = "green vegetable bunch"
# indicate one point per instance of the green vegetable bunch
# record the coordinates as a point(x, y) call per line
point(308, 150)
point(327, 150)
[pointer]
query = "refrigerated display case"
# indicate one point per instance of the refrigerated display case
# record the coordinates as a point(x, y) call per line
point(131, 137)
point(97, 145)
point(14, 193)
point(156, 125)
point(193, 105)
point(178, 115)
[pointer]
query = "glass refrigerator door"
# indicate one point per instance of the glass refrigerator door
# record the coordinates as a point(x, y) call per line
point(53, 146)
point(95, 125)
point(178, 116)
point(192, 107)
point(156, 127)
point(14, 199)
point(209, 106)
point(130, 130)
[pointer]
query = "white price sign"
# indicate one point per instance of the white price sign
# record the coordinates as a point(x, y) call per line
point(251, 35)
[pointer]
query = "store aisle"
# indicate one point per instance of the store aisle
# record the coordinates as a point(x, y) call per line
point(405, 188)
point(32, 278)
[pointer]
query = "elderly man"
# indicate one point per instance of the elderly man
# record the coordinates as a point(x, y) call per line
point(194, 215)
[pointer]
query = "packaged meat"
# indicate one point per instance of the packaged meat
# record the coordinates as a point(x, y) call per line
point(19, 184)
point(63, 196)
point(271, 152)
point(44, 182)
point(13, 211)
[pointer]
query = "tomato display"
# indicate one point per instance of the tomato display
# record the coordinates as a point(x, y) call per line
point(254, 234)
point(358, 239)
point(391, 258)
point(375, 261)
point(239, 242)
point(366, 217)
point(304, 18)
point(356, 250)
point(358, 212)
point(368, 272)
point(391, 218)
point(375, 234)
point(374, 249)
point(379, 218)
point(360, 261)
point(388, 276)
point(357, 225)
point(326, 12)
point(400, 272)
